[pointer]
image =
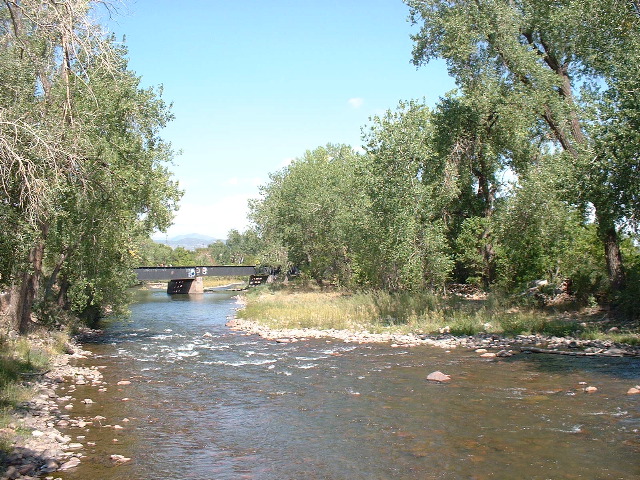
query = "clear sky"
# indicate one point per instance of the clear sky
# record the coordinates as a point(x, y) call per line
point(256, 83)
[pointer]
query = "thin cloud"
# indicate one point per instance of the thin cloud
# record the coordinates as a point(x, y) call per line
point(214, 219)
point(355, 102)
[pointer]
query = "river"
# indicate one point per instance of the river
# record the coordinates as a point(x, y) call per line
point(206, 402)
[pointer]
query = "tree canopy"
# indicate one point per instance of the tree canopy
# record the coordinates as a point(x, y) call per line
point(83, 170)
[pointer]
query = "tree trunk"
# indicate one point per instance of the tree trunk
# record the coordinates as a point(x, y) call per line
point(487, 193)
point(615, 267)
point(25, 291)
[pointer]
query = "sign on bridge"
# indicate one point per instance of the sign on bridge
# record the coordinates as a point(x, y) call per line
point(185, 273)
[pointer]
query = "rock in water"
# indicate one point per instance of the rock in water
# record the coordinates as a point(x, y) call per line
point(74, 462)
point(119, 459)
point(438, 376)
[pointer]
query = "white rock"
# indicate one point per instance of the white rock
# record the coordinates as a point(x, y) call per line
point(119, 459)
point(438, 376)
point(72, 463)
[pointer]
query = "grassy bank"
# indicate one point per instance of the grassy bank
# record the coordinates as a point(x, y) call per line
point(23, 359)
point(381, 312)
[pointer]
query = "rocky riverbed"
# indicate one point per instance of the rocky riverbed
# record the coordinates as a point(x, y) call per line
point(39, 448)
point(485, 344)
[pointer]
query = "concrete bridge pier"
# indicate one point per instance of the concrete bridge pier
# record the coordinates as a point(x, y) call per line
point(185, 286)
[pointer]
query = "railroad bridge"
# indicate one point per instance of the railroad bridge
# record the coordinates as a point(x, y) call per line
point(184, 280)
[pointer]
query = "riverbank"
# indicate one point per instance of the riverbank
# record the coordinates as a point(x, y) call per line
point(36, 445)
point(289, 315)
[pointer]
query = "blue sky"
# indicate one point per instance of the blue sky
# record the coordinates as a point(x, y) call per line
point(256, 83)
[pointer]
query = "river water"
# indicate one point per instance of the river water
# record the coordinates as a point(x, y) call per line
point(205, 402)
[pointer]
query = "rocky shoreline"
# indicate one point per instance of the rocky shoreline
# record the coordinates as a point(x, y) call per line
point(486, 344)
point(39, 448)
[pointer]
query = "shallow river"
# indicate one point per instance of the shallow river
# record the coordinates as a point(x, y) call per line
point(208, 403)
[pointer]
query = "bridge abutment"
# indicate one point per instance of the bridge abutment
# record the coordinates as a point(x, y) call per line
point(185, 286)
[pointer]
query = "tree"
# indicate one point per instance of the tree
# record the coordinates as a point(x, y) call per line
point(310, 210)
point(410, 188)
point(541, 53)
point(82, 164)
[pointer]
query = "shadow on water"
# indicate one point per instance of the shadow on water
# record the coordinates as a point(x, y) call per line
point(624, 368)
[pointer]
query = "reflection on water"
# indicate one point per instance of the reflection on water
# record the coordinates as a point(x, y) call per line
point(208, 403)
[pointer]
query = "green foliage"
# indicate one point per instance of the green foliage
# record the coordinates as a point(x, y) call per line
point(565, 71)
point(83, 165)
point(311, 211)
point(407, 185)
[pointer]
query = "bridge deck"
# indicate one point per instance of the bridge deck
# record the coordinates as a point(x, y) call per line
point(181, 273)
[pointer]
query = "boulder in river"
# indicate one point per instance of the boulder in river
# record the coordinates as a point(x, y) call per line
point(634, 390)
point(438, 376)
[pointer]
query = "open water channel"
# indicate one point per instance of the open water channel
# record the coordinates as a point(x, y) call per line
point(206, 402)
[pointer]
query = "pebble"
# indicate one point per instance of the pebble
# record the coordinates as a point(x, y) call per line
point(634, 390)
point(124, 382)
point(591, 389)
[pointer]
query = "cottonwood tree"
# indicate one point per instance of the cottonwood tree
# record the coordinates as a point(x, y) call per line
point(542, 53)
point(58, 149)
point(410, 189)
point(310, 210)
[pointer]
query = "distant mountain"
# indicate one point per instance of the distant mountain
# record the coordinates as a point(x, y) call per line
point(190, 241)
